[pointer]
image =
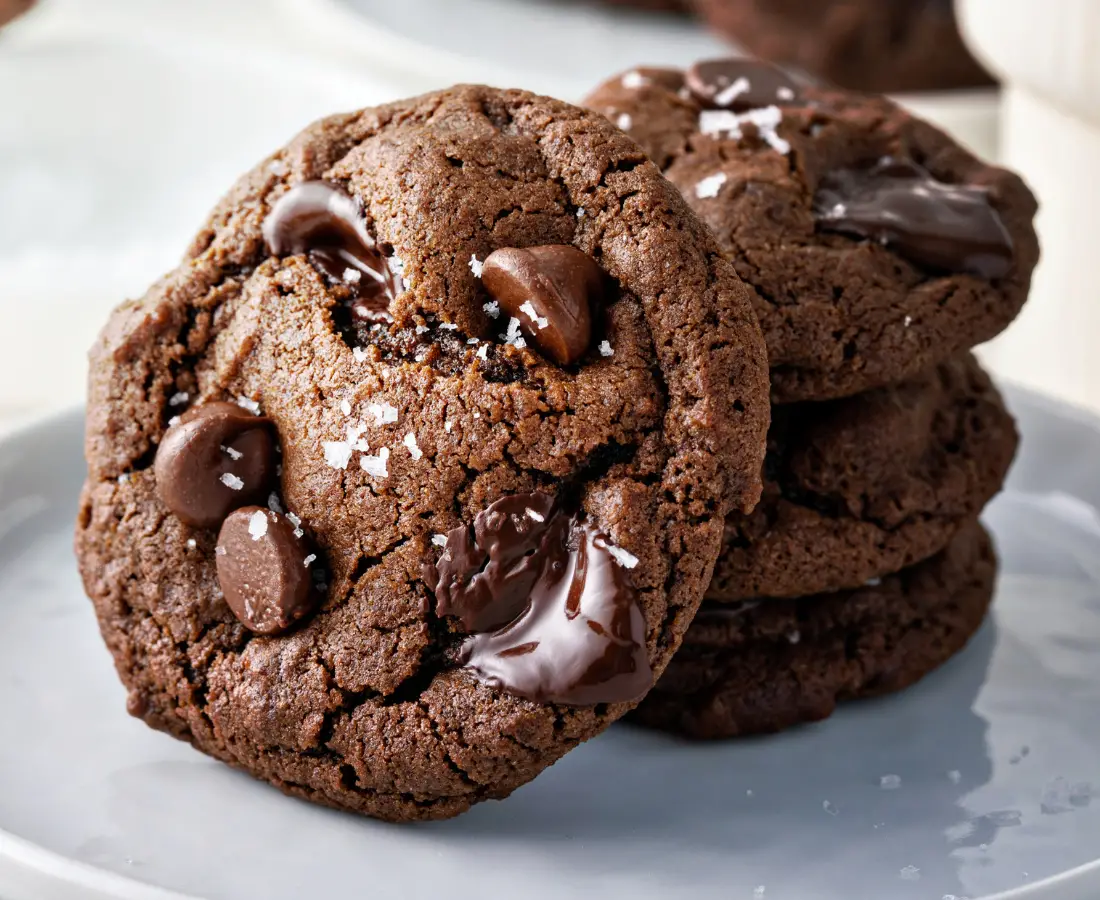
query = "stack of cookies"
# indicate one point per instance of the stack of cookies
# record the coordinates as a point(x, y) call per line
point(880, 252)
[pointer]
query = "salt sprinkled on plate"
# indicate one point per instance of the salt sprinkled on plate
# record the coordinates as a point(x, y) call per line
point(624, 122)
point(829, 807)
point(954, 776)
point(710, 186)
point(231, 453)
point(634, 80)
point(414, 449)
point(345, 407)
point(309, 560)
point(889, 782)
point(758, 892)
point(337, 453)
point(257, 524)
point(492, 309)
point(231, 481)
point(605, 349)
point(376, 465)
point(528, 309)
point(384, 413)
point(178, 399)
point(910, 873)
point(476, 265)
point(248, 403)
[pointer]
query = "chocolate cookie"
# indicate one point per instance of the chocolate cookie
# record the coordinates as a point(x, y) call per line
point(864, 45)
point(9, 9)
point(496, 391)
point(768, 665)
point(867, 485)
point(878, 247)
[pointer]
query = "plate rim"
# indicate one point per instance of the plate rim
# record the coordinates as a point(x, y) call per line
point(29, 871)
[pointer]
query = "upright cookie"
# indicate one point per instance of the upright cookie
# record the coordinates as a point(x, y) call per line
point(9, 9)
point(878, 247)
point(411, 477)
point(771, 664)
point(863, 45)
point(860, 487)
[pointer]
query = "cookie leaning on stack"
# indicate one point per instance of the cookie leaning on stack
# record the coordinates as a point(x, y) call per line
point(880, 251)
point(413, 475)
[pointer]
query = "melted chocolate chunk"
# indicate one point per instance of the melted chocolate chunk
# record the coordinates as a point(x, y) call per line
point(321, 220)
point(548, 603)
point(264, 570)
point(550, 291)
point(218, 457)
point(946, 227)
point(740, 84)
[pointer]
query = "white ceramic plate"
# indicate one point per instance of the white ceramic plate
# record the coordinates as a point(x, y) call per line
point(996, 754)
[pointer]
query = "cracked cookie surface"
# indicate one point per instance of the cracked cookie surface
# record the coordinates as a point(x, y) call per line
point(772, 664)
point(395, 433)
point(841, 313)
point(861, 487)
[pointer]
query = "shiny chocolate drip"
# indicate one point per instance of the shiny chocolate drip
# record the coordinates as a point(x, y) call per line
point(322, 221)
point(547, 602)
point(945, 227)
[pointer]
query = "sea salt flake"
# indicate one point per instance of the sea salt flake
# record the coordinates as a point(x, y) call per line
point(581, 213)
point(345, 407)
point(476, 265)
point(278, 167)
point(309, 560)
point(889, 782)
point(273, 503)
point(422, 329)
point(375, 466)
point(220, 551)
point(248, 403)
point(352, 276)
point(337, 453)
point(384, 413)
point(191, 543)
point(124, 478)
point(910, 873)
point(231, 453)
point(710, 186)
point(624, 558)
point(440, 540)
point(448, 326)
point(483, 352)
point(624, 122)
point(296, 522)
point(532, 514)
point(634, 80)
point(414, 450)
point(178, 399)
point(766, 119)
point(513, 336)
point(231, 481)
point(174, 421)
point(907, 321)
point(727, 95)
point(784, 93)
point(257, 524)
point(448, 425)
point(793, 637)
point(606, 349)
point(472, 341)
point(492, 309)
point(360, 354)
point(528, 309)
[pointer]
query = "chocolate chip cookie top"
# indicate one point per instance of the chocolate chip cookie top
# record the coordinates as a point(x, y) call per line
point(484, 332)
point(864, 486)
point(877, 246)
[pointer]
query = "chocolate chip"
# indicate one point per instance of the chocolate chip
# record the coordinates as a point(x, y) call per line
point(264, 570)
point(550, 290)
point(548, 603)
point(321, 220)
point(218, 457)
point(741, 84)
point(946, 227)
